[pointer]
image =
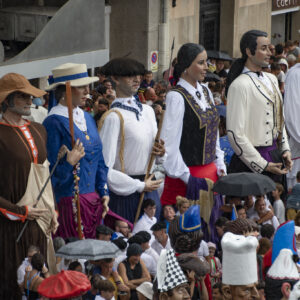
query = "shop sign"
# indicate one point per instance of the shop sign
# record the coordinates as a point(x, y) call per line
point(284, 4)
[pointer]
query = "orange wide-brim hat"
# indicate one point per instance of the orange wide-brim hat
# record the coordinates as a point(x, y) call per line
point(13, 82)
point(66, 284)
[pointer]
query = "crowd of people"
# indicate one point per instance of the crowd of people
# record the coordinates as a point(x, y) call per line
point(134, 161)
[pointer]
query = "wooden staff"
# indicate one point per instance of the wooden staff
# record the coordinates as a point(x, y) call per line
point(149, 167)
point(76, 184)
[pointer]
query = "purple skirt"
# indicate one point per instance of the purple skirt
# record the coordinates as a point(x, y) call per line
point(90, 211)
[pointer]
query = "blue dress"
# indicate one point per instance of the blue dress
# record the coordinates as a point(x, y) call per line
point(92, 174)
point(93, 171)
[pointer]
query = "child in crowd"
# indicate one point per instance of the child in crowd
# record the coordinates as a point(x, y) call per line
point(278, 206)
point(106, 290)
point(215, 264)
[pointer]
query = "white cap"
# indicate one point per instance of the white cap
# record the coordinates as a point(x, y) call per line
point(284, 267)
point(146, 289)
point(239, 259)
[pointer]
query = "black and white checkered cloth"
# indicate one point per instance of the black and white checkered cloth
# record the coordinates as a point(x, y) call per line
point(174, 275)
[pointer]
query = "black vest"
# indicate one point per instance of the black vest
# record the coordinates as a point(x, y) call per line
point(199, 131)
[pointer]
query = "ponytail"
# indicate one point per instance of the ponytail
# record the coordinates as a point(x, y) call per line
point(235, 70)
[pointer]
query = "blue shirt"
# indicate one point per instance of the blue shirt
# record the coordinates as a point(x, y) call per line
point(93, 171)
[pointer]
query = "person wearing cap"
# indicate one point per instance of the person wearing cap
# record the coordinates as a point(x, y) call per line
point(24, 165)
point(122, 245)
point(128, 132)
point(190, 115)
point(162, 240)
point(103, 233)
point(145, 291)
point(88, 165)
point(148, 258)
point(133, 270)
point(239, 276)
point(146, 236)
point(255, 120)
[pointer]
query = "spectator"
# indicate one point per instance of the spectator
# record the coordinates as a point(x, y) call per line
point(149, 260)
point(218, 92)
point(26, 263)
point(104, 268)
point(122, 245)
point(293, 200)
point(276, 70)
point(220, 69)
point(278, 205)
point(215, 264)
point(106, 290)
point(95, 284)
point(162, 240)
point(217, 293)
point(291, 59)
point(148, 218)
point(75, 266)
point(241, 212)
point(261, 290)
point(108, 84)
point(145, 291)
point(293, 49)
point(34, 276)
point(150, 96)
point(279, 51)
point(182, 205)
point(283, 65)
point(161, 95)
point(133, 270)
point(103, 233)
point(122, 229)
point(168, 214)
point(267, 231)
point(272, 49)
point(148, 80)
point(146, 246)
point(264, 246)
point(101, 106)
point(261, 211)
point(101, 76)
point(220, 224)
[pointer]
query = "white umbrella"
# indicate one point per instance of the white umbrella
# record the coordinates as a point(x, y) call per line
point(89, 249)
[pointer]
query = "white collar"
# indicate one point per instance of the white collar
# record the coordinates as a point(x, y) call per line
point(191, 89)
point(128, 101)
point(146, 217)
point(246, 70)
point(78, 115)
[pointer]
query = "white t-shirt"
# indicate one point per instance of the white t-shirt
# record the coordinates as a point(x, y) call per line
point(279, 210)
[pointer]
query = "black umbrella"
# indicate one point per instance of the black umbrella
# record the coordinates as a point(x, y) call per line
point(218, 55)
point(244, 184)
point(212, 77)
